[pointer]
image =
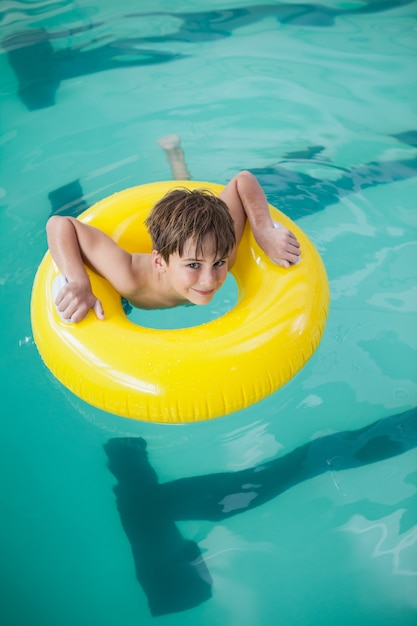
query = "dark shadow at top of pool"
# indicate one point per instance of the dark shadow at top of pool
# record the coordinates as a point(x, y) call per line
point(170, 568)
point(40, 68)
point(216, 24)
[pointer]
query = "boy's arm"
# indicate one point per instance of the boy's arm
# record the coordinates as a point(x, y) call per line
point(73, 245)
point(246, 200)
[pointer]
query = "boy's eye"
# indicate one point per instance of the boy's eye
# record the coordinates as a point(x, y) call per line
point(195, 265)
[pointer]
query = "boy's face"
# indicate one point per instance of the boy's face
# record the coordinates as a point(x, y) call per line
point(197, 277)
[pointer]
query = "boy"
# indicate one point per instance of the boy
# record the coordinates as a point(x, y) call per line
point(194, 235)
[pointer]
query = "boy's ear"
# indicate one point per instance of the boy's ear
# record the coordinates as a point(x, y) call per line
point(158, 262)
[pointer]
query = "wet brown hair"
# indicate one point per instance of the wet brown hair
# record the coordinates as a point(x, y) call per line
point(183, 215)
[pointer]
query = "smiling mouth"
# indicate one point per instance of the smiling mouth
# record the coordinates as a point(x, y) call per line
point(204, 293)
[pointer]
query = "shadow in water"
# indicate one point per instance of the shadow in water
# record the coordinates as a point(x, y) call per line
point(170, 568)
point(298, 194)
point(68, 199)
point(216, 24)
point(40, 69)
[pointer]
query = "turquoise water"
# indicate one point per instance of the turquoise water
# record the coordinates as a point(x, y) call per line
point(291, 520)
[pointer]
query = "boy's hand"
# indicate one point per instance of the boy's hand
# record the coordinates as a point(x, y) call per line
point(74, 301)
point(281, 245)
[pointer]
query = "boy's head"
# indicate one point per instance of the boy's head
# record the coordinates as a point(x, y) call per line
point(182, 216)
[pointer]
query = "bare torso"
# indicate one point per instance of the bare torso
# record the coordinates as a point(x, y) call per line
point(149, 289)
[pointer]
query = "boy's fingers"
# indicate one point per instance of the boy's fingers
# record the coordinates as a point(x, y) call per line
point(293, 249)
point(98, 310)
point(280, 262)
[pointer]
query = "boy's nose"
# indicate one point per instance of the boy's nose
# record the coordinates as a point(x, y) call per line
point(207, 278)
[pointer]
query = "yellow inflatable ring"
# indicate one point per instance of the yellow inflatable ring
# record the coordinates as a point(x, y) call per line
point(185, 375)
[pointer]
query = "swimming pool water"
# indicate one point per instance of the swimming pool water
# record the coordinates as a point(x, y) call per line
point(302, 509)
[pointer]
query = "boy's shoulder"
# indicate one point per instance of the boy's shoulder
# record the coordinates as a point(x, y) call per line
point(141, 269)
point(135, 278)
point(142, 288)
